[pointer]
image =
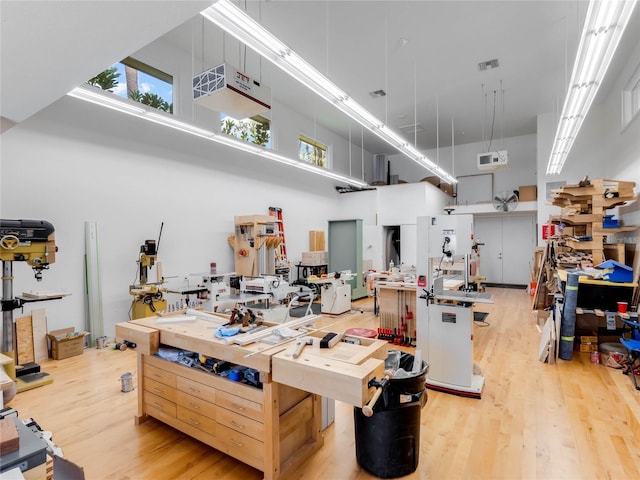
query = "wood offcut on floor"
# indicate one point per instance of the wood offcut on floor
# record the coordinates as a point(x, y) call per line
point(573, 420)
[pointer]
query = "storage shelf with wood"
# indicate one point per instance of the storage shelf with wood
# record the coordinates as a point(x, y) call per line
point(252, 234)
point(584, 210)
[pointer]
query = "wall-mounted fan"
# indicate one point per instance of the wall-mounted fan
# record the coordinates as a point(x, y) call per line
point(505, 201)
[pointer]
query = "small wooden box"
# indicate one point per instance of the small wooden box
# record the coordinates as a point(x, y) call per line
point(9, 438)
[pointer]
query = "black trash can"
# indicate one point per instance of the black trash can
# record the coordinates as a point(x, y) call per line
point(388, 442)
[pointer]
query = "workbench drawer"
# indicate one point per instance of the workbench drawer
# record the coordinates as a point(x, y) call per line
point(240, 405)
point(242, 447)
point(160, 389)
point(197, 389)
point(196, 420)
point(196, 404)
point(159, 375)
point(240, 423)
point(155, 403)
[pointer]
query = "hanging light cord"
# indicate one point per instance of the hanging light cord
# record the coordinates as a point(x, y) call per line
point(493, 121)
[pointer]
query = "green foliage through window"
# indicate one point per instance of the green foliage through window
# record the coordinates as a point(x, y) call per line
point(137, 81)
point(254, 130)
point(313, 152)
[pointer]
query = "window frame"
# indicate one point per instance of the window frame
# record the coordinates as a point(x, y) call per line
point(302, 138)
point(631, 99)
point(154, 72)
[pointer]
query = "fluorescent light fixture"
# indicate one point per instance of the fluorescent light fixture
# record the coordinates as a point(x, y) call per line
point(237, 23)
point(604, 25)
point(107, 99)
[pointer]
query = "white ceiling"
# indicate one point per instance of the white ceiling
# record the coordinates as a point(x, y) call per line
point(423, 54)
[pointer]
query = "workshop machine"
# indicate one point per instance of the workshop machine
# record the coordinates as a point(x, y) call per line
point(277, 287)
point(445, 308)
point(148, 296)
point(31, 241)
point(335, 292)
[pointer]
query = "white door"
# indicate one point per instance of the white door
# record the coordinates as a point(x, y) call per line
point(508, 251)
point(488, 231)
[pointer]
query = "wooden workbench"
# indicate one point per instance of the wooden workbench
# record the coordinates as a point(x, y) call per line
point(274, 428)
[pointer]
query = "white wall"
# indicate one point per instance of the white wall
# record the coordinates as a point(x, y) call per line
point(76, 162)
point(390, 205)
point(462, 161)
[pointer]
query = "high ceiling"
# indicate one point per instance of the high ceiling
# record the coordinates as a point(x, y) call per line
point(423, 54)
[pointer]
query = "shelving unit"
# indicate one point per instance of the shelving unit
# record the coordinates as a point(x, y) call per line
point(255, 243)
point(584, 209)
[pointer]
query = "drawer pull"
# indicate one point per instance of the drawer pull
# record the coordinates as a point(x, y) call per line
point(194, 390)
point(157, 405)
point(240, 444)
point(238, 407)
point(157, 375)
point(195, 422)
point(237, 425)
point(159, 390)
point(194, 406)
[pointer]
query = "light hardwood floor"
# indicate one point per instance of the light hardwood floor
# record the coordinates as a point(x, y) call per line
point(574, 420)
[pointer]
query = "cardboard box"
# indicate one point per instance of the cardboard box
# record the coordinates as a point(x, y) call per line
point(66, 343)
point(528, 193)
point(315, 258)
point(588, 339)
point(316, 241)
point(588, 347)
point(592, 321)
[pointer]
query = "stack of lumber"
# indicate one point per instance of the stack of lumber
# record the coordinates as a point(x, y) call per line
point(583, 208)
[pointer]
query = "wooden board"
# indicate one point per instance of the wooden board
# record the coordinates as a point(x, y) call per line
point(39, 325)
point(24, 340)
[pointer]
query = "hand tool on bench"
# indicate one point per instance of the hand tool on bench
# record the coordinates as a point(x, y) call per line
point(330, 339)
point(300, 344)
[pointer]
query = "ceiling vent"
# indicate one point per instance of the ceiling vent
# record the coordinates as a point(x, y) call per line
point(411, 128)
point(227, 90)
point(489, 65)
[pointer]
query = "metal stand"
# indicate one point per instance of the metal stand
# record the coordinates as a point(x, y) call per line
point(8, 305)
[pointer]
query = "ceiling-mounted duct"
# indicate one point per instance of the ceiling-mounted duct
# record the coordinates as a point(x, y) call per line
point(227, 90)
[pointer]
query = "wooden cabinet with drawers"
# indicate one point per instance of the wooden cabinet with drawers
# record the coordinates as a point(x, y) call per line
point(274, 428)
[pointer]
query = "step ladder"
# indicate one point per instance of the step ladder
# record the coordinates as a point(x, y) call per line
point(283, 260)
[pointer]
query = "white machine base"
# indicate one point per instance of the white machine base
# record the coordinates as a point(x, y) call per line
point(473, 391)
point(336, 299)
